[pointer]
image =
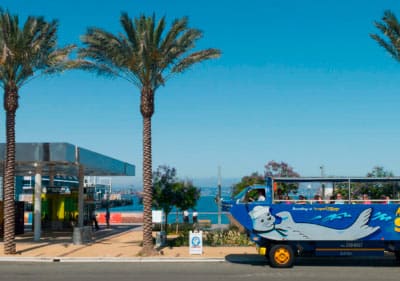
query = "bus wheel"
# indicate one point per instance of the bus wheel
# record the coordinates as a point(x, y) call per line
point(281, 256)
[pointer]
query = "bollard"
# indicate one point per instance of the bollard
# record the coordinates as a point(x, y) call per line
point(82, 235)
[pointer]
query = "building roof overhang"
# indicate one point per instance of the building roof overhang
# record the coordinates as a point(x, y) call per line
point(64, 159)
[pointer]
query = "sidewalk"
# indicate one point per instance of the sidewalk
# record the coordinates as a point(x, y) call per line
point(119, 243)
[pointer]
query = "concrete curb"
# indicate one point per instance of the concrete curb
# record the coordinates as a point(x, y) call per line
point(108, 259)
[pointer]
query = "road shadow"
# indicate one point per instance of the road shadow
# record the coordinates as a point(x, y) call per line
point(113, 230)
point(388, 260)
point(250, 259)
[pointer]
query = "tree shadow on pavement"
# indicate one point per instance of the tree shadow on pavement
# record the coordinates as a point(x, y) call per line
point(65, 237)
point(32, 248)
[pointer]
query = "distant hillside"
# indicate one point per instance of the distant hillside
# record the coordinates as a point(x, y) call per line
point(213, 181)
point(213, 191)
point(135, 183)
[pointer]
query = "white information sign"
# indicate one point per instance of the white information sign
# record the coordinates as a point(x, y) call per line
point(196, 243)
point(157, 216)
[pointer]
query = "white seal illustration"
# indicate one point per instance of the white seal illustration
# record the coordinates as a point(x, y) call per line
point(288, 229)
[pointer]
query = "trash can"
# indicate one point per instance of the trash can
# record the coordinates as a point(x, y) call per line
point(160, 238)
point(82, 235)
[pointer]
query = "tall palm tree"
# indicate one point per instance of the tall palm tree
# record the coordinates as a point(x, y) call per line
point(390, 28)
point(25, 53)
point(147, 55)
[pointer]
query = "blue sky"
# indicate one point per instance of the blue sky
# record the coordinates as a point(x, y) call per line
point(298, 81)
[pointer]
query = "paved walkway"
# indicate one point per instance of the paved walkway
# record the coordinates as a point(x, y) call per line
point(119, 243)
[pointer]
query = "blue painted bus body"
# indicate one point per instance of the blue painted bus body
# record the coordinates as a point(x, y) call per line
point(322, 226)
point(319, 229)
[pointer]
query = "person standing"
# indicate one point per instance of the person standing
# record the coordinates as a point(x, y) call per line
point(108, 217)
point(94, 221)
point(339, 199)
point(195, 214)
point(318, 199)
point(366, 199)
point(186, 216)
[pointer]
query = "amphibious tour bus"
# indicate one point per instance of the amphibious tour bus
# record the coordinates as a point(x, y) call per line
point(346, 225)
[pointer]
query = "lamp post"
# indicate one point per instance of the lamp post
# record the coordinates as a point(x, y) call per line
point(219, 196)
point(309, 191)
point(322, 185)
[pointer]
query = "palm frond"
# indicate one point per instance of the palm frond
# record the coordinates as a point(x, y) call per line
point(390, 48)
point(178, 26)
point(30, 50)
point(145, 52)
point(130, 30)
point(108, 55)
point(158, 32)
point(104, 47)
point(390, 28)
point(195, 58)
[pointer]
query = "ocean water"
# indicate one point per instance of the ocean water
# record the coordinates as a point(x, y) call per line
point(206, 207)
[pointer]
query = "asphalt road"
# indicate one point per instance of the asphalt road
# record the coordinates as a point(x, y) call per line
point(305, 269)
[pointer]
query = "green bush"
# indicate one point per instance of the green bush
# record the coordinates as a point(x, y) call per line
point(181, 240)
point(229, 237)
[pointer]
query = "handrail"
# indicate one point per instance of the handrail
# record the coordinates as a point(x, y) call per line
point(353, 201)
point(335, 179)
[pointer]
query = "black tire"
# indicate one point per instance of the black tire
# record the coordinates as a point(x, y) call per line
point(397, 255)
point(281, 255)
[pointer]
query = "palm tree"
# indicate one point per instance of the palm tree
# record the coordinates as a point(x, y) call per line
point(25, 53)
point(147, 55)
point(390, 28)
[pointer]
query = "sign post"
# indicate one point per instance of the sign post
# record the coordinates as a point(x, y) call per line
point(158, 217)
point(196, 242)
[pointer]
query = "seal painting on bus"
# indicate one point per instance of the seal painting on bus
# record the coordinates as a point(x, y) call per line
point(282, 226)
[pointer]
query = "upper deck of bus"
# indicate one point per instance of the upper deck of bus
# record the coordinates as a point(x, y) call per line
point(344, 183)
point(340, 183)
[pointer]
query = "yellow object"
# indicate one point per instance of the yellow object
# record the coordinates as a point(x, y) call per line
point(262, 251)
point(59, 207)
point(397, 224)
point(397, 221)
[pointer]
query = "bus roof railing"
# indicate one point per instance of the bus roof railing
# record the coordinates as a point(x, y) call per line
point(334, 179)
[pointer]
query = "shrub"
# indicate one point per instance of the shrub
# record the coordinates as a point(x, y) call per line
point(229, 237)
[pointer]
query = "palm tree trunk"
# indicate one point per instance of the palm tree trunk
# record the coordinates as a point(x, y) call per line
point(147, 110)
point(10, 105)
point(147, 187)
point(9, 205)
